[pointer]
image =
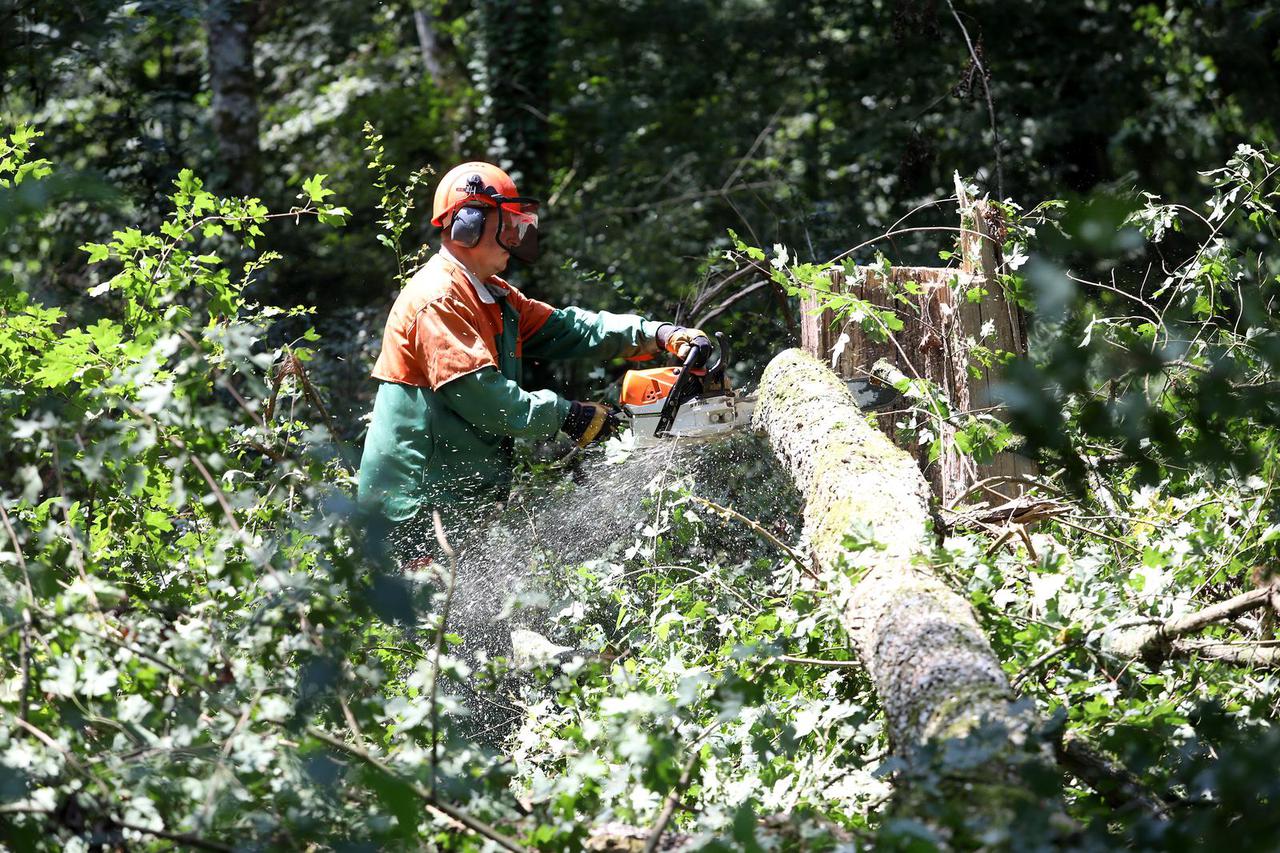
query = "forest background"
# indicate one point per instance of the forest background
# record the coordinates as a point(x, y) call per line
point(197, 653)
point(649, 129)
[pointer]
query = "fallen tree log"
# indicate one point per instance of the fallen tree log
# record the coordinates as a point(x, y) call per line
point(935, 674)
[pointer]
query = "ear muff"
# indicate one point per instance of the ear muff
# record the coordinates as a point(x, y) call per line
point(467, 226)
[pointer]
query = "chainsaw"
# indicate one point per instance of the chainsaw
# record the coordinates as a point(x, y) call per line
point(692, 401)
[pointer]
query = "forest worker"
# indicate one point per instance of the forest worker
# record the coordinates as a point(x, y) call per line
point(450, 400)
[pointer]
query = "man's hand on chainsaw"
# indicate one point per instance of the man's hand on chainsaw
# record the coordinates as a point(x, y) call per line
point(677, 339)
point(588, 422)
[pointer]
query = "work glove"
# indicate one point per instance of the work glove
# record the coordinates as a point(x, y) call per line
point(677, 339)
point(588, 422)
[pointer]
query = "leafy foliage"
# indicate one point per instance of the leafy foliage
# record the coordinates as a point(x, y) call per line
point(203, 641)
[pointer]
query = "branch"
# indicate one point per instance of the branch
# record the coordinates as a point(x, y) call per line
point(1119, 788)
point(669, 807)
point(1229, 609)
point(479, 827)
point(1157, 640)
point(1241, 654)
point(761, 531)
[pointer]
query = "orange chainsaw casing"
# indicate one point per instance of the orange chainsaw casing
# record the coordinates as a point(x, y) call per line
point(641, 387)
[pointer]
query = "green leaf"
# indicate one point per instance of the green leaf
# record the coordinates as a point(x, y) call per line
point(398, 797)
point(336, 216)
point(313, 188)
point(98, 252)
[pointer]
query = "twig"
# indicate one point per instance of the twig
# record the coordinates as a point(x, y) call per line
point(1098, 533)
point(982, 485)
point(729, 303)
point(351, 719)
point(669, 807)
point(1039, 662)
point(834, 664)
point(760, 530)
point(477, 826)
point(760, 137)
point(443, 541)
point(52, 744)
point(17, 549)
point(991, 106)
point(25, 646)
point(714, 290)
point(218, 494)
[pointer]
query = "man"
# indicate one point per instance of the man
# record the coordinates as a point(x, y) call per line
point(449, 402)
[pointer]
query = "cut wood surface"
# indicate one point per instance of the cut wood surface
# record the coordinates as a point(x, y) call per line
point(929, 346)
point(934, 672)
point(940, 326)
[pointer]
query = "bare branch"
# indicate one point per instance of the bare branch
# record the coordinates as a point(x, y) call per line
point(760, 531)
point(452, 556)
point(477, 826)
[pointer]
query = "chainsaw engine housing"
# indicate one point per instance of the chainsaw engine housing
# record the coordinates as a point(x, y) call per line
point(690, 401)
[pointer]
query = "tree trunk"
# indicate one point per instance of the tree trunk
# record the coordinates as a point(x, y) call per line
point(517, 59)
point(229, 27)
point(933, 670)
point(930, 346)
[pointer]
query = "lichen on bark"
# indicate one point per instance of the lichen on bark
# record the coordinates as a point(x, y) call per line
point(934, 672)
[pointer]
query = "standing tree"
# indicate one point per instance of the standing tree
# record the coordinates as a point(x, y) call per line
point(229, 28)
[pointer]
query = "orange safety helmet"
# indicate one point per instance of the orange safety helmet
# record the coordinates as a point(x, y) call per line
point(474, 181)
point(480, 184)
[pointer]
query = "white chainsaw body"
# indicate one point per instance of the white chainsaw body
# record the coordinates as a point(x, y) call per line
point(699, 418)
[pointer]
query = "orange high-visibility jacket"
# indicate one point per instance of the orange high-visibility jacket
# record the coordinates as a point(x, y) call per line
point(449, 401)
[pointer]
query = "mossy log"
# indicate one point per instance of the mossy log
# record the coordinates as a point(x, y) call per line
point(936, 675)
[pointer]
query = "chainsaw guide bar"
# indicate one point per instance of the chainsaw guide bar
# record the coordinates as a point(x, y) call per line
point(693, 401)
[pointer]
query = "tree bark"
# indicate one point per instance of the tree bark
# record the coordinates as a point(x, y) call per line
point(229, 28)
point(933, 670)
point(930, 346)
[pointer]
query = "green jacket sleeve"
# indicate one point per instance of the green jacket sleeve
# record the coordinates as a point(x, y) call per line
point(577, 333)
point(493, 403)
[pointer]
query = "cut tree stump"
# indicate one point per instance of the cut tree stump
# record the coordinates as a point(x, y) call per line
point(934, 672)
point(939, 323)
